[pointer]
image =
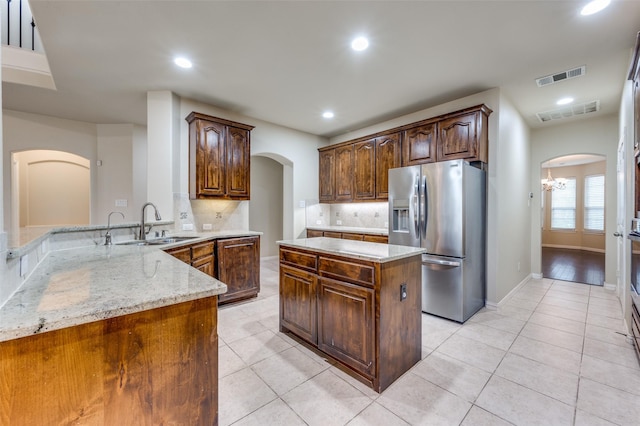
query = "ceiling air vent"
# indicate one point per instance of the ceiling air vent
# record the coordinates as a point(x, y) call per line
point(564, 75)
point(569, 111)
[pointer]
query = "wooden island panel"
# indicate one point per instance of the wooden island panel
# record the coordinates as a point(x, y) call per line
point(352, 310)
point(149, 368)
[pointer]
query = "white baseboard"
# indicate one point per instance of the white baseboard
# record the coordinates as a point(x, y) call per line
point(536, 276)
point(494, 306)
point(560, 246)
point(610, 287)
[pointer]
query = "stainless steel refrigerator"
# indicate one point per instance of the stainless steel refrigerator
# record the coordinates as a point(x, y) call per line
point(442, 207)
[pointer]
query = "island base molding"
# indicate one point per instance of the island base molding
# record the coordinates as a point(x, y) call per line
point(149, 368)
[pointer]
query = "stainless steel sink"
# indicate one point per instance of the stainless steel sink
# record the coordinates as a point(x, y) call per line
point(156, 241)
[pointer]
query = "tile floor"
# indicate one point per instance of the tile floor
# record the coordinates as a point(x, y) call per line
point(551, 356)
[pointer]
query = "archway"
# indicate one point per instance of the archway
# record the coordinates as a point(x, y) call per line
point(572, 218)
point(50, 188)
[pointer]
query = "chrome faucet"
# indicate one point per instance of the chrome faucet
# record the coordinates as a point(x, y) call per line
point(107, 236)
point(143, 231)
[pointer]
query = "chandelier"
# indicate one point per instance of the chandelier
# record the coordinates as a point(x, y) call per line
point(549, 184)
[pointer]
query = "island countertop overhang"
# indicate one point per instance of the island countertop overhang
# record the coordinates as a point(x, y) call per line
point(364, 250)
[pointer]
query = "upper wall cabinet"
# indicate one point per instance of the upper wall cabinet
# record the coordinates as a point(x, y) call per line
point(387, 157)
point(419, 144)
point(219, 158)
point(327, 179)
point(463, 135)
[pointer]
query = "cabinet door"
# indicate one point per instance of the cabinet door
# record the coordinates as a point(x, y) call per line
point(238, 163)
point(298, 302)
point(377, 239)
point(330, 234)
point(350, 236)
point(344, 173)
point(346, 324)
point(458, 137)
point(205, 264)
point(181, 253)
point(312, 233)
point(419, 145)
point(202, 257)
point(209, 159)
point(364, 154)
point(327, 180)
point(239, 267)
point(387, 157)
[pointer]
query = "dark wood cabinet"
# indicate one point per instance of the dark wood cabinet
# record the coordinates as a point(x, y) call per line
point(634, 76)
point(360, 319)
point(635, 323)
point(463, 135)
point(238, 262)
point(219, 158)
point(344, 173)
point(419, 144)
point(298, 302)
point(346, 326)
point(203, 258)
point(373, 238)
point(327, 180)
point(312, 233)
point(364, 154)
point(350, 236)
point(388, 156)
point(376, 238)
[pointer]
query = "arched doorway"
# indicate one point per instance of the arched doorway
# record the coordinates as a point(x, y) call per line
point(572, 217)
point(50, 188)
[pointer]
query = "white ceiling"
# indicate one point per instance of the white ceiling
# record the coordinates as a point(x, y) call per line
point(286, 62)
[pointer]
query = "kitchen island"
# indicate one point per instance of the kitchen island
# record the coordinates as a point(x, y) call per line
point(358, 302)
point(110, 335)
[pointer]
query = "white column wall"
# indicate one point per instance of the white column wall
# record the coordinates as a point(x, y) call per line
point(115, 175)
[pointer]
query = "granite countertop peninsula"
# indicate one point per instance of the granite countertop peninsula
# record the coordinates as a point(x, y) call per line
point(354, 229)
point(375, 252)
point(90, 283)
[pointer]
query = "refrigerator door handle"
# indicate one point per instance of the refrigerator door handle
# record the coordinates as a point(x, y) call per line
point(416, 191)
point(423, 206)
point(436, 261)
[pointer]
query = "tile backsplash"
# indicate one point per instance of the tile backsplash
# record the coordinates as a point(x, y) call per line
point(220, 214)
point(360, 215)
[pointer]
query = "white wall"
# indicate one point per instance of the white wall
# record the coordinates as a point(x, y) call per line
point(265, 207)
point(594, 136)
point(115, 175)
point(508, 213)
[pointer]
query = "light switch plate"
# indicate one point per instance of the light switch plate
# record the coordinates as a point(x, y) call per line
point(121, 203)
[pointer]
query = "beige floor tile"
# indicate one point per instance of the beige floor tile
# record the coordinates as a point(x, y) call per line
point(607, 335)
point(376, 414)
point(531, 294)
point(564, 295)
point(432, 338)
point(564, 303)
point(345, 374)
point(420, 402)
point(614, 313)
point(552, 336)
point(236, 326)
point(452, 375)
point(472, 352)
point(495, 320)
point(608, 403)
point(240, 394)
point(621, 355)
point(610, 374)
point(522, 406)
point(570, 326)
point(548, 354)
point(275, 413)
point(516, 312)
point(586, 419)
point(491, 336)
point(522, 303)
point(570, 287)
point(228, 362)
point(287, 369)
point(259, 346)
point(602, 293)
point(479, 417)
point(613, 304)
point(561, 312)
point(326, 400)
point(549, 381)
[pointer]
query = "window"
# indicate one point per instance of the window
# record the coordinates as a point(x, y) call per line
point(563, 206)
point(594, 203)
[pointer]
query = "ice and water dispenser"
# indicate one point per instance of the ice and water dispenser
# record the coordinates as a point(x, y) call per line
point(400, 216)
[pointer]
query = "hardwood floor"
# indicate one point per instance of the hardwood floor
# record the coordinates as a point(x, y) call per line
point(573, 265)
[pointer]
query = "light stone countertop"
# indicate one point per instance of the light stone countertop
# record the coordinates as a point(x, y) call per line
point(85, 284)
point(353, 229)
point(373, 252)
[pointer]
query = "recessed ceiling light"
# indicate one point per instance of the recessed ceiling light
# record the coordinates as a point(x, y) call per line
point(183, 62)
point(327, 114)
point(564, 101)
point(359, 43)
point(594, 6)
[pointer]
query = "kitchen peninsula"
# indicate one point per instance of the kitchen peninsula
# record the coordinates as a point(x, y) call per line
point(356, 301)
point(120, 334)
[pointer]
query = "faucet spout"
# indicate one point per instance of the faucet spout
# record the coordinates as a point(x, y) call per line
point(143, 232)
point(107, 236)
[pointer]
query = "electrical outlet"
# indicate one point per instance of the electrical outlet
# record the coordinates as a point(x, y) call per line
point(206, 227)
point(403, 291)
point(318, 222)
point(121, 203)
point(338, 222)
point(187, 226)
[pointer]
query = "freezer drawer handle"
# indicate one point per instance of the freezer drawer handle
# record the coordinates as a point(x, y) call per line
point(440, 262)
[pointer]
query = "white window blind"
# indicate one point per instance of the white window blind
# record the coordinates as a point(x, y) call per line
point(563, 206)
point(594, 203)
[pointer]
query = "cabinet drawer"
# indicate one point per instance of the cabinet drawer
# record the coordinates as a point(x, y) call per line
point(201, 250)
point(305, 261)
point(346, 271)
point(332, 234)
point(311, 233)
point(349, 236)
point(376, 239)
point(181, 253)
